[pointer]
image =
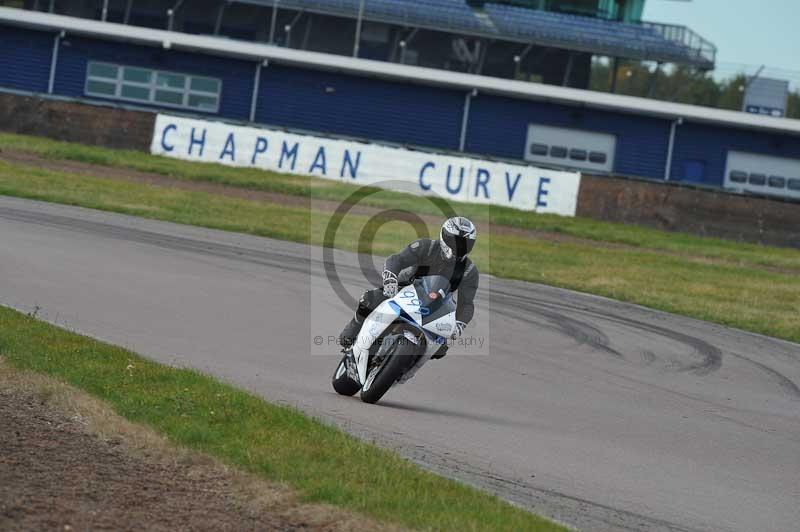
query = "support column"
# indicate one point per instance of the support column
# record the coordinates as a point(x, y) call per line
point(654, 80)
point(128, 7)
point(273, 22)
point(614, 66)
point(307, 34)
point(171, 14)
point(462, 141)
point(482, 56)
point(359, 21)
point(568, 70)
point(671, 147)
point(220, 15)
point(289, 27)
point(256, 87)
point(518, 59)
point(54, 62)
point(404, 44)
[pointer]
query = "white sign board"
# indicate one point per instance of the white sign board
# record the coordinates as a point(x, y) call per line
point(766, 96)
point(451, 177)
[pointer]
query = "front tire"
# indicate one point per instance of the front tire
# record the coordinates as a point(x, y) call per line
point(400, 359)
point(342, 383)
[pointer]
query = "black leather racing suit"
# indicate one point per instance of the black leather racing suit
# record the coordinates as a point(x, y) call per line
point(421, 257)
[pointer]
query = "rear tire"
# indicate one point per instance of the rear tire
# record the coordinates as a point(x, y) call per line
point(343, 384)
point(400, 361)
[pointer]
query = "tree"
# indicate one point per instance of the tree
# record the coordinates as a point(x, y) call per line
point(679, 84)
point(793, 105)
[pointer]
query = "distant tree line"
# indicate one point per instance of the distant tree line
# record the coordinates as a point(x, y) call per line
point(679, 84)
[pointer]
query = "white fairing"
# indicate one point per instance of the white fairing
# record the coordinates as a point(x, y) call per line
point(442, 326)
point(385, 314)
point(373, 327)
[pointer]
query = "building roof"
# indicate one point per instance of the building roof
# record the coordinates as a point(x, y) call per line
point(220, 46)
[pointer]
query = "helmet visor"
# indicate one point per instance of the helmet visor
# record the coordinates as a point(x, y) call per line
point(460, 245)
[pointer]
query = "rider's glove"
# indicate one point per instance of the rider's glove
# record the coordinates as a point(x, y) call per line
point(460, 326)
point(389, 283)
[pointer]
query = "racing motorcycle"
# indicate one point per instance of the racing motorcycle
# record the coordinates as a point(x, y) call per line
point(397, 339)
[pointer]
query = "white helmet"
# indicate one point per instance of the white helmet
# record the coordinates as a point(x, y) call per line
point(457, 237)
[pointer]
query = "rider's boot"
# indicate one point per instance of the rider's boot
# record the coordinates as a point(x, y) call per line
point(350, 332)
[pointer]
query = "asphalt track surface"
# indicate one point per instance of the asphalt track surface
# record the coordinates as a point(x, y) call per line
point(603, 415)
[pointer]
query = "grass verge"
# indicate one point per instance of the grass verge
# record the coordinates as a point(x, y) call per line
point(760, 293)
point(275, 442)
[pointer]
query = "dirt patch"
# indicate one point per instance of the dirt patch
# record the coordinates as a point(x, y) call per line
point(134, 176)
point(67, 462)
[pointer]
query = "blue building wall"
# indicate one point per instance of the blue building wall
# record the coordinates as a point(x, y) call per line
point(708, 145)
point(237, 76)
point(30, 49)
point(369, 108)
point(360, 107)
point(498, 126)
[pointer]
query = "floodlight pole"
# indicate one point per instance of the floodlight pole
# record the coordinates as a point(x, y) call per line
point(754, 77)
point(358, 28)
point(104, 14)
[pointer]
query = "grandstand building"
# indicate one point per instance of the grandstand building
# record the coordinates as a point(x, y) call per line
point(549, 41)
point(299, 85)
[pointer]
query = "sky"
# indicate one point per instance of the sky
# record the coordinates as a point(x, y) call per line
point(753, 32)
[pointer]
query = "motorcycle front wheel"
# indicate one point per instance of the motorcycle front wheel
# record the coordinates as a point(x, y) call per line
point(399, 359)
point(342, 383)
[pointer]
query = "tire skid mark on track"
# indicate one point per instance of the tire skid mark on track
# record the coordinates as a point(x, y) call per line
point(582, 332)
point(782, 380)
point(716, 407)
point(711, 356)
point(266, 258)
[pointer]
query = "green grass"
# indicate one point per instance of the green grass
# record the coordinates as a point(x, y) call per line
point(736, 293)
point(278, 443)
point(604, 232)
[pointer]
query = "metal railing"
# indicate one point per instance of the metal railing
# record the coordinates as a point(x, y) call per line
point(684, 36)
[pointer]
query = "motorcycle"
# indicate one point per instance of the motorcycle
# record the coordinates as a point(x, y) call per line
point(397, 339)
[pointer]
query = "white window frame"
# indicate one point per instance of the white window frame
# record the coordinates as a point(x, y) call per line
point(186, 91)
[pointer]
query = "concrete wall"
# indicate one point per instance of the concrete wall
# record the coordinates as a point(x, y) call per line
point(662, 205)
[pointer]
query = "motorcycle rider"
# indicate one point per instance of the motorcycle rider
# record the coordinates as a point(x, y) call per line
point(446, 256)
